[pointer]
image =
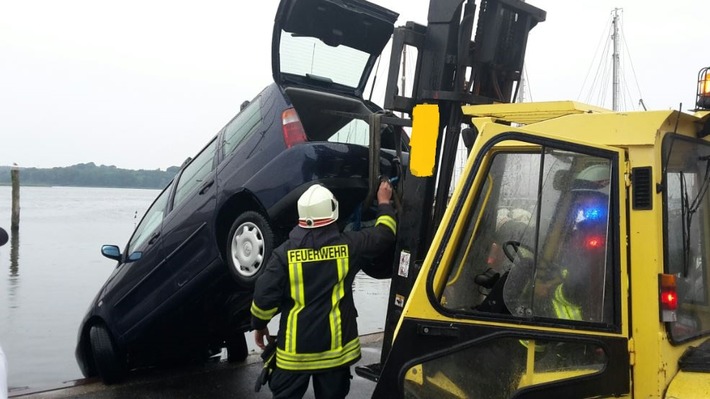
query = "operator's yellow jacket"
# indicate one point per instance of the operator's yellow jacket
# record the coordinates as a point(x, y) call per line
point(309, 279)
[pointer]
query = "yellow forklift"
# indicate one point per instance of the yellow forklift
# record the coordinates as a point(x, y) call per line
point(573, 258)
point(572, 261)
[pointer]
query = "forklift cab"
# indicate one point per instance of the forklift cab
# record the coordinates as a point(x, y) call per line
point(602, 289)
point(552, 317)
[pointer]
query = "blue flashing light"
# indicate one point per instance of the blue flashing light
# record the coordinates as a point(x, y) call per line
point(593, 213)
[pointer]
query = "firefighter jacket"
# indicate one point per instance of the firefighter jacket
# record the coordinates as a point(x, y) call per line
point(309, 279)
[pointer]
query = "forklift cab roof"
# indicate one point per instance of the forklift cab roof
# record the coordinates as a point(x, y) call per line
point(329, 44)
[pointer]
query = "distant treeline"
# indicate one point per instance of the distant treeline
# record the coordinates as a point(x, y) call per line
point(90, 175)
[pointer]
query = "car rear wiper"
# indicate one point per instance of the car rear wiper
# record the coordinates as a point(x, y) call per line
point(318, 78)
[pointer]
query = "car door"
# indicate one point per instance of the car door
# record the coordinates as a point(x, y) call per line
point(544, 321)
point(188, 243)
point(132, 289)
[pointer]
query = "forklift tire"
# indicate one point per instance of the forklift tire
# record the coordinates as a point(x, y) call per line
point(237, 350)
point(110, 364)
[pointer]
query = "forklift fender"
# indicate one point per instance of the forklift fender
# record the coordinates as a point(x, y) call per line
point(689, 384)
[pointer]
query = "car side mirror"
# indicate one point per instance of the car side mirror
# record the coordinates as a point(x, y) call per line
point(3, 237)
point(135, 256)
point(111, 252)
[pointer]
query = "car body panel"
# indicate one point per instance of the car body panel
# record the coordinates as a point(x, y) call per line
point(345, 174)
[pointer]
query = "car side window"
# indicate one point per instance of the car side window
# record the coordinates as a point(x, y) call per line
point(355, 132)
point(194, 174)
point(151, 221)
point(241, 127)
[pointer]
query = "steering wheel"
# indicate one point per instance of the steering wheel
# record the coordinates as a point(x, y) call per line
point(512, 250)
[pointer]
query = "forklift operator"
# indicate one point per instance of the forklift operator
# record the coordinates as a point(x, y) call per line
point(510, 226)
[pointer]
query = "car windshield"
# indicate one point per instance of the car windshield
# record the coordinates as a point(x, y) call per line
point(308, 56)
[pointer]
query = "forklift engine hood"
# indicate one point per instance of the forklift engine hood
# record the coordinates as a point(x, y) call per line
point(692, 379)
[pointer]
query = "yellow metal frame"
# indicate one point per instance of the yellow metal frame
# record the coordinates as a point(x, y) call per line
point(418, 305)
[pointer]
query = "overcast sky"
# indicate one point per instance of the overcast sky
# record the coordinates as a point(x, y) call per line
point(145, 84)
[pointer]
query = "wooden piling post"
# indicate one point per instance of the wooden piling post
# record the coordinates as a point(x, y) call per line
point(15, 178)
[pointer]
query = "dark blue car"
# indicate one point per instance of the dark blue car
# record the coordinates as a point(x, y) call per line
point(183, 284)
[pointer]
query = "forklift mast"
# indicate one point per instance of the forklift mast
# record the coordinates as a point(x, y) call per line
point(451, 71)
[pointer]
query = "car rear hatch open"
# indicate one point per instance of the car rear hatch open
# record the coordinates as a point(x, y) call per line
point(329, 45)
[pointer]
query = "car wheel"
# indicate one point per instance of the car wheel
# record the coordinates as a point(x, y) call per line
point(111, 366)
point(249, 245)
point(237, 349)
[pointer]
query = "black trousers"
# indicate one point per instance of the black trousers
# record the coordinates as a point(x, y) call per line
point(329, 384)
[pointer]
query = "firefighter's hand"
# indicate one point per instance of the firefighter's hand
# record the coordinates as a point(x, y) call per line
point(384, 193)
point(259, 336)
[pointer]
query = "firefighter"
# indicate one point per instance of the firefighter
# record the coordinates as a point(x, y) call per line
point(309, 279)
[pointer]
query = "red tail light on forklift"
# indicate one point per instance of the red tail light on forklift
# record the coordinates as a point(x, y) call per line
point(668, 296)
point(292, 128)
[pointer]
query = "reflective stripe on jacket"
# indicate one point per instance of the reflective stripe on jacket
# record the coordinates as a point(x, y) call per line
point(565, 309)
point(309, 279)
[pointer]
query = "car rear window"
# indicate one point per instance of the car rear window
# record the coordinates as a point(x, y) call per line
point(305, 56)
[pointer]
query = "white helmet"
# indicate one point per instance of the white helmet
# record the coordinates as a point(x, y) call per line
point(596, 178)
point(317, 207)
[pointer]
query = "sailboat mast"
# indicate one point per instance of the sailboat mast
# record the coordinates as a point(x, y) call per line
point(404, 74)
point(615, 62)
point(404, 71)
point(521, 84)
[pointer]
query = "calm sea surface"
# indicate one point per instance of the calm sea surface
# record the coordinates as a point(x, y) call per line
point(53, 268)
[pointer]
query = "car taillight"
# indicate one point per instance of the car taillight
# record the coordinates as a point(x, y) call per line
point(292, 128)
point(668, 297)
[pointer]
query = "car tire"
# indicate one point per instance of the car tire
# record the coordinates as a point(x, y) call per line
point(110, 364)
point(237, 350)
point(249, 245)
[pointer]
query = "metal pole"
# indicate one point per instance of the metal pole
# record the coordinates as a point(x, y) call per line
point(404, 73)
point(15, 178)
point(615, 60)
point(403, 90)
